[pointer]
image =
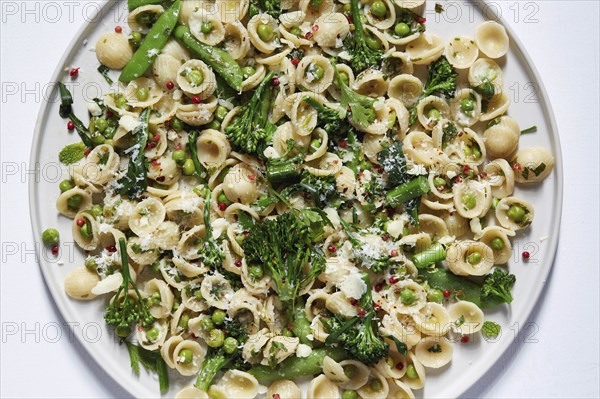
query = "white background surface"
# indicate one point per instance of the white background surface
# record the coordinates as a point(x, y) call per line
point(39, 356)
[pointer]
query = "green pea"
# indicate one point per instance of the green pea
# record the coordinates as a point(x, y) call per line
point(317, 71)
point(349, 395)
point(218, 317)
point(468, 151)
point(188, 167)
point(350, 370)
point(230, 346)
point(207, 324)
point(378, 9)
point(215, 338)
point(366, 165)
point(183, 320)
point(75, 201)
point(66, 185)
point(256, 272)
point(90, 264)
point(86, 232)
point(177, 124)
point(347, 9)
point(195, 77)
point(50, 236)
point(408, 297)
point(214, 124)
point(315, 144)
point(198, 295)
point(221, 112)
point(316, 4)
point(155, 298)
point(435, 295)
point(265, 32)
point(295, 31)
point(287, 332)
point(135, 39)
point(101, 124)
point(121, 102)
point(476, 152)
point(373, 42)
point(411, 372)
point(152, 334)
point(376, 385)
point(516, 213)
point(98, 139)
point(434, 114)
point(222, 199)
point(109, 133)
point(469, 200)
point(142, 94)
point(206, 27)
point(497, 243)
point(439, 181)
point(185, 356)
point(179, 156)
point(467, 105)
point(474, 258)
point(402, 29)
point(248, 71)
point(495, 202)
point(345, 78)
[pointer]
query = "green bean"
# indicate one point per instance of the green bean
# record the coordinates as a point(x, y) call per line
point(152, 44)
point(407, 191)
point(133, 4)
point(219, 60)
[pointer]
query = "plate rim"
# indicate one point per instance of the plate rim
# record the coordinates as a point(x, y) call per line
point(516, 46)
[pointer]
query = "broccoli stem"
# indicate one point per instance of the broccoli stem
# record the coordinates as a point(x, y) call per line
point(407, 191)
point(432, 255)
point(295, 367)
point(285, 172)
point(300, 324)
point(210, 368)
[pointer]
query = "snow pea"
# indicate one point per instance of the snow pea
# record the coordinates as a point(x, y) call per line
point(152, 44)
point(219, 60)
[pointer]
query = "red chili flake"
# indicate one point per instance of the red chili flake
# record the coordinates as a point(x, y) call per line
point(377, 166)
point(399, 366)
point(307, 196)
point(237, 263)
point(74, 72)
point(362, 313)
point(155, 162)
point(315, 28)
point(464, 339)
point(343, 144)
point(394, 253)
point(394, 280)
point(525, 255)
point(275, 81)
point(170, 85)
point(194, 336)
point(516, 166)
point(290, 326)
point(160, 179)
point(150, 144)
point(222, 206)
point(118, 29)
point(156, 137)
point(276, 396)
point(139, 328)
point(332, 248)
point(109, 114)
point(483, 175)
point(178, 146)
point(385, 237)
point(390, 212)
point(354, 302)
point(295, 61)
point(80, 222)
point(308, 35)
point(55, 250)
point(252, 177)
point(378, 287)
point(420, 20)
point(377, 307)
point(111, 248)
point(70, 125)
point(87, 152)
point(349, 19)
point(466, 169)
point(458, 179)
point(446, 293)
point(196, 100)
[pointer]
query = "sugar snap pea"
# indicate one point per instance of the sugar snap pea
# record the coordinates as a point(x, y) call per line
point(152, 44)
point(219, 60)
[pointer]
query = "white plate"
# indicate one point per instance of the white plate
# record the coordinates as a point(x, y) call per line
point(530, 107)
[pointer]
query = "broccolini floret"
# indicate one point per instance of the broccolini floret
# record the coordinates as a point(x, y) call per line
point(363, 56)
point(441, 78)
point(251, 130)
point(497, 287)
point(271, 7)
point(210, 253)
point(359, 336)
point(333, 121)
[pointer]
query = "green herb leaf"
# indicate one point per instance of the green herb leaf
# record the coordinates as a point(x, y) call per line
point(400, 346)
point(104, 72)
point(72, 153)
point(531, 129)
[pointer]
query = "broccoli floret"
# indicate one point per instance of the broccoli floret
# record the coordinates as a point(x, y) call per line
point(486, 89)
point(223, 357)
point(333, 121)
point(322, 189)
point(497, 287)
point(441, 78)
point(490, 329)
point(375, 264)
point(363, 56)
point(251, 130)
point(359, 336)
point(121, 313)
point(271, 7)
point(72, 153)
point(210, 253)
point(361, 107)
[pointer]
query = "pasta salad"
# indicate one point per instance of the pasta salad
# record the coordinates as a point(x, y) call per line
point(280, 189)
